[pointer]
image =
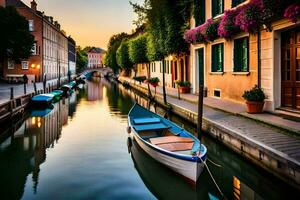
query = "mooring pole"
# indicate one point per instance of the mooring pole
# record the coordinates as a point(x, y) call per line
point(24, 88)
point(200, 111)
point(34, 85)
point(11, 93)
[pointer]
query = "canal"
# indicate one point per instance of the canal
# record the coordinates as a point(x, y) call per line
point(78, 150)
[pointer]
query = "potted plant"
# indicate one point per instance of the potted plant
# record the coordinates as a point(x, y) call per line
point(153, 81)
point(183, 86)
point(140, 79)
point(254, 100)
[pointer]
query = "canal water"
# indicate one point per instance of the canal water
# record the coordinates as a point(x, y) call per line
point(78, 150)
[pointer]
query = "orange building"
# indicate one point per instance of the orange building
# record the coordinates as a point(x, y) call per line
point(95, 57)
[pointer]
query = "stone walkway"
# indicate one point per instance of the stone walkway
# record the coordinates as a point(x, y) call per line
point(278, 121)
point(19, 89)
point(265, 137)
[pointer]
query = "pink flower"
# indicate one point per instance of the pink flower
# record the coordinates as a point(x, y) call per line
point(292, 12)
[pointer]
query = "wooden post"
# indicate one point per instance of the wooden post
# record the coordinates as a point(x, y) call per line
point(49, 87)
point(178, 93)
point(24, 88)
point(200, 111)
point(11, 93)
point(164, 82)
point(34, 86)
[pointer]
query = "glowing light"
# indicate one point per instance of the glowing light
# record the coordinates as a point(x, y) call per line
point(38, 66)
point(39, 124)
point(171, 57)
point(33, 120)
point(32, 65)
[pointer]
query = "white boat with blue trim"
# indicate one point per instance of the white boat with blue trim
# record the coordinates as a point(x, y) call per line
point(167, 143)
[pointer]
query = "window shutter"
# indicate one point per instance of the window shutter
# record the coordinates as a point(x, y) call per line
point(214, 7)
point(221, 50)
point(245, 55)
point(237, 56)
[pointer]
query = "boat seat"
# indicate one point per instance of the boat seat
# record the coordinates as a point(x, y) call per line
point(173, 143)
point(149, 120)
point(147, 127)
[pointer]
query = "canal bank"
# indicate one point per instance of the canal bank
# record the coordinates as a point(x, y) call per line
point(266, 146)
point(79, 151)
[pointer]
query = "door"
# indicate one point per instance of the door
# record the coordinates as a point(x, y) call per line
point(290, 69)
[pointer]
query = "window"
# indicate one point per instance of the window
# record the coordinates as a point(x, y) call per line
point(217, 7)
point(10, 64)
point(25, 64)
point(34, 49)
point(217, 57)
point(31, 25)
point(236, 2)
point(199, 12)
point(241, 55)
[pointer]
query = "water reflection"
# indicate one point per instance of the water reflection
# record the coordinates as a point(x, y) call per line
point(24, 151)
point(78, 150)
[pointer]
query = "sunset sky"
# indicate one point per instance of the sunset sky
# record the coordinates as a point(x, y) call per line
point(90, 22)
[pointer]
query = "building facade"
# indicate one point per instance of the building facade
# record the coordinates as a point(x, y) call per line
point(49, 59)
point(71, 57)
point(95, 57)
point(269, 58)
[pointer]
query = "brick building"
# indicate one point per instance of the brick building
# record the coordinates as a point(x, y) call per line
point(71, 56)
point(49, 58)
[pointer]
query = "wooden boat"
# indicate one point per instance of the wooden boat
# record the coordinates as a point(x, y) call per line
point(57, 94)
point(167, 143)
point(42, 100)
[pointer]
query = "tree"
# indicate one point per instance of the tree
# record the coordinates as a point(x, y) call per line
point(138, 49)
point(113, 45)
point(16, 41)
point(123, 56)
point(81, 59)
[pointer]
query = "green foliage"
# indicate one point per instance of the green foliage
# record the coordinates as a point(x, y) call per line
point(123, 56)
point(81, 59)
point(140, 78)
point(153, 80)
point(255, 94)
point(138, 49)
point(113, 45)
point(16, 41)
point(183, 84)
point(166, 23)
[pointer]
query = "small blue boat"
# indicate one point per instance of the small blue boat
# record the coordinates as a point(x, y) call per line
point(167, 143)
point(42, 100)
point(42, 112)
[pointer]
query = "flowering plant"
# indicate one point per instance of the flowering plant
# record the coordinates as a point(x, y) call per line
point(204, 33)
point(211, 29)
point(249, 17)
point(227, 26)
point(292, 12)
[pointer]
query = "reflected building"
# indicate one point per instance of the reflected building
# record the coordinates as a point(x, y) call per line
point(95, 91)
point(23, 152)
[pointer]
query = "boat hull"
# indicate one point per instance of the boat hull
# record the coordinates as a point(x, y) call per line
point(191, 170)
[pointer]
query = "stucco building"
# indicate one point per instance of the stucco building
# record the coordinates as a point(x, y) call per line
point(95, 57)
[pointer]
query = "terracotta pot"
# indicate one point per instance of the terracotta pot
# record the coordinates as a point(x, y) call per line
point(184, 90)
point(154, 84)
point(255, 107)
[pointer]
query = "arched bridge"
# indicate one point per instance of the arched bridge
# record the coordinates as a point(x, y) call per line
point(101, 72)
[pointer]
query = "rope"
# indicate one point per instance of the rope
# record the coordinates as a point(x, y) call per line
point(214, 163)
point(212, 178)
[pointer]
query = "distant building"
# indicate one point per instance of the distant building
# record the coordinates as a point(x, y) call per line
point(49, 59)
point(71, 56)
point(95, 57)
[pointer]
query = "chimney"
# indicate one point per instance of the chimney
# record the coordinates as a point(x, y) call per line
point(33, 5)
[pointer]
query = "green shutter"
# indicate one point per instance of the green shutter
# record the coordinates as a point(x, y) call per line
point(214, 7)
point(245, 54)
point(241, 55)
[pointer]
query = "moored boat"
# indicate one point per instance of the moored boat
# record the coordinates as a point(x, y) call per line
point(57, 94)
point(167, 143)
point(42, 100)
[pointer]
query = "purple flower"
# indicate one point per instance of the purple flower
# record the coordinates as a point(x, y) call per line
point(292, 12)
point(227, 26)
